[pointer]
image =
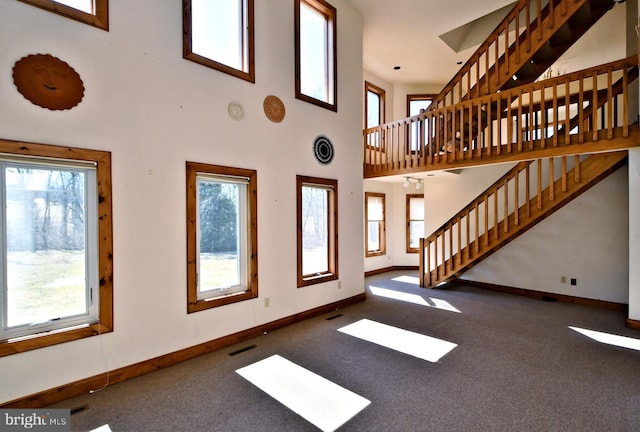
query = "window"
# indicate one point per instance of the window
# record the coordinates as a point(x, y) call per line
point(374, 105)
point(55, 225)
point(219, 34)
point(315, 44)
point(374, 218)
point(222, 237)
point(317, 219)
point(415, 222)
point(415, 105)
point(92, 12)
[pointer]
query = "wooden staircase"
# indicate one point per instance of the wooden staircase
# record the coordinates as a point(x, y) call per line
point(564, 132)
point(523, 46)
point(522, 195)
point(578, 113)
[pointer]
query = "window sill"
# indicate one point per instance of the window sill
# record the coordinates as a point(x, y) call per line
point(54, 337)
point(316, 279)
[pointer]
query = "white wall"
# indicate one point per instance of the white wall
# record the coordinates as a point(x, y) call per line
point(154, 111)
point(586, 239)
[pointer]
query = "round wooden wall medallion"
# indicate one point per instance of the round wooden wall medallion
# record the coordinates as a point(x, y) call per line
point(274, 108)
point(48, 82)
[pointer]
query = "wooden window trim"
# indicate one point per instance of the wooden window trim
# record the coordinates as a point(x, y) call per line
point(418, 97)
point(187, 47)
point(100, 19)
point(382, 229)
point(331, 15)
point(102, 160)
point(369, 87)
point(332, 273)
point(411, 98)
point(408, 221)
point(192, 169)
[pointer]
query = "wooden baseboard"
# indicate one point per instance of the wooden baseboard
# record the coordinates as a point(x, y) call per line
point(388, 269)
point(541, 295)
point(634, 324)
point(83, 386)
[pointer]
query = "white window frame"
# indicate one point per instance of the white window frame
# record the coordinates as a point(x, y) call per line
point(243, 244)
point(91, 252)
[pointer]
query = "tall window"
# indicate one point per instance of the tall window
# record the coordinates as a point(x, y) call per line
point(415, 222)
point(317, 220)
point(374, 105)
point(375, 223)
point(315, 55)
point(222, 249)
point(416, 103)
point(56, 267)
point(219, 34)
point(92, 12)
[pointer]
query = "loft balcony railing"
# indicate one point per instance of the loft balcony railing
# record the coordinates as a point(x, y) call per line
point(581, 112)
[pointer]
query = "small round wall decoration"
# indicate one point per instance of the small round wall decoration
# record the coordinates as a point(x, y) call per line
point(48, 82)
point(274, 108)
point(323, 149)
point(236, 111)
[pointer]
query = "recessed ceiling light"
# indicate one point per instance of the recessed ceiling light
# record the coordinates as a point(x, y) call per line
point(396, 68)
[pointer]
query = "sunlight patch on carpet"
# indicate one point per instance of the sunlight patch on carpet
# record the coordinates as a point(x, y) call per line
point(413, 280)
point(413, 298)
point(404, 341)
point(610, 339)
point(318, 400)
point(103, 428)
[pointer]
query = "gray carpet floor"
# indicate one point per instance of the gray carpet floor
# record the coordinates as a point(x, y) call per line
point(517, 367)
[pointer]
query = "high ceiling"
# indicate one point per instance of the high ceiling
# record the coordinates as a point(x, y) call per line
point(406, 33)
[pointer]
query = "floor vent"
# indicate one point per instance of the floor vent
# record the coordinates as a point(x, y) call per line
point(79, 409)
point(241, 350)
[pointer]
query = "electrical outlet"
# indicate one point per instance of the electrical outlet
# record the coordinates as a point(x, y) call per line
point(266, 302)
point(339, 284)
point(563, 279)
point(574, 281)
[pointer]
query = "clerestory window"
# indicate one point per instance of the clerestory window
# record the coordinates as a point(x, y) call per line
point(315, 53)
point(92, 12)
point(220, 35)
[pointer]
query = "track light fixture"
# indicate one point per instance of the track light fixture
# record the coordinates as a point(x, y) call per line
point(412, 180)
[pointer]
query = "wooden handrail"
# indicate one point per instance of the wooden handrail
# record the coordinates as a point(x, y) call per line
point(529, 25)
point(593, 101)
point(515, 202)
